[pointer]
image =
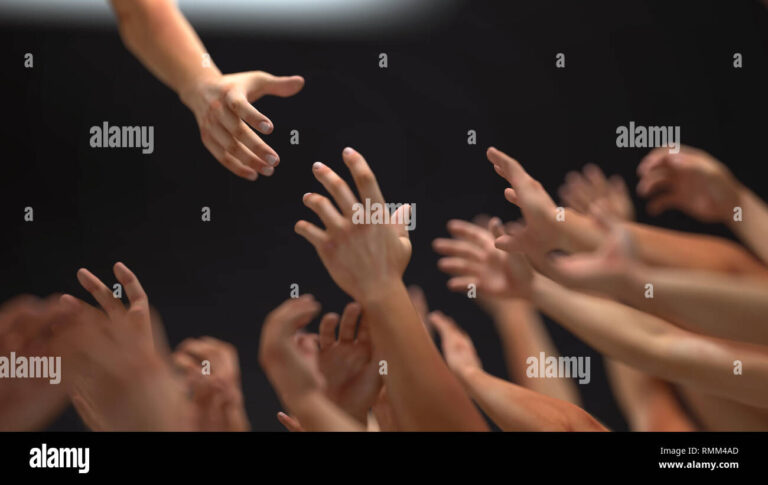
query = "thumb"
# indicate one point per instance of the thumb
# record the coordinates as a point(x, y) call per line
point(283, 86)
point(402, 217)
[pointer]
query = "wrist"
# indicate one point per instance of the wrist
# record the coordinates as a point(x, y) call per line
point(191, 92)
point(378, 295)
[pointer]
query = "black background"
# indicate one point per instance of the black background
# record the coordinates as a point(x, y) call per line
point(488, 67)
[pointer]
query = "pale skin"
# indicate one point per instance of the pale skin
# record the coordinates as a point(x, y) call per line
point(540, 232)
point(29, 404)
point(293, 371)
point(345, 362)
point(511, 407)
point(521, 330)
point(367, 262)
point(116, 377)
point(157, 33)
point(217, 395)
point(699, 185)
point(647, 403)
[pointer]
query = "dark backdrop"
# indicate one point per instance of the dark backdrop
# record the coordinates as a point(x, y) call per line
point(488, 67)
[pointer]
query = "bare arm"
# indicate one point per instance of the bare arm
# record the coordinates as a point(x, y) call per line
point(656, 346)
point(511, 407)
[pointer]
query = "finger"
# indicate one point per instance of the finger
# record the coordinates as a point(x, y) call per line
point(283, 86)
point(661, 203)
point(136, 295)
point(316, 236)
point(654, 181)
point(336, 186)
point(654, 159)
point(295, 314)
point(349, 322)
point(100, 292)
point(507, 243)
point(507, 167)
point(401, 218)
point(461, 283)
point(238, 103)
point(458, 267)
point(228, 139)
point(365, 180)
point(596, 178)
point(265, 156)
point(327, 330)
point(291, 424)
point(457, 248)
point(469, 232)
point(579, 190)
point(228, 161)
point(445, 326)
point(322, 206)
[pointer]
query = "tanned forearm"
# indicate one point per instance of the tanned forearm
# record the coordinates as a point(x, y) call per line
point(424, 394)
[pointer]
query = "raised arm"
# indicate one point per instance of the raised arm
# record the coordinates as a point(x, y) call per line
point(511, 407)
point(366, 257)
point(547, 228)
point(701, 186)
point(157, 33)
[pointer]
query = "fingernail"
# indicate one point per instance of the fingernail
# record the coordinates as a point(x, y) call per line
point(253, 176)
point(303, 197)
point(317, 166)
point(264, 126)
point(268, 171)
point(348, 151)
point(271, 159)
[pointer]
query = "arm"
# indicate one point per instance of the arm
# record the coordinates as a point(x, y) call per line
point(648, 403)
point(367, 261)
point(511, 407)
point(293, 373)
point(575, 232)
point(157, 33)
point(656, 346)
point(473, 259)
point(693, 299)
point(696, 183)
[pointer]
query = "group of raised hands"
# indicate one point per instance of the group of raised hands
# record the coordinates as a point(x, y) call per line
point(680, 318)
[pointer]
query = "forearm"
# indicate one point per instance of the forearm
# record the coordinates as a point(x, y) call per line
point(647, 403)
point(655, 346)
point(725, 306)
point(422, 390)
point(523, 335)
point(157, 33)
point(316, 412)
point(514, 408)
point(752, 228)
point(663, 247)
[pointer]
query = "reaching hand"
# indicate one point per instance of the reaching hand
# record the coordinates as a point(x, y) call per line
point(137, 315)
point(225, 115)
point(540, 233)
point(362, 258)
point(580, 191)
point(458, 350)
point(25, 328)
point(217, 395)
point(692, 181)
point(351, 374)
point(472, 258)
point(116, 378)
point(288, 363)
